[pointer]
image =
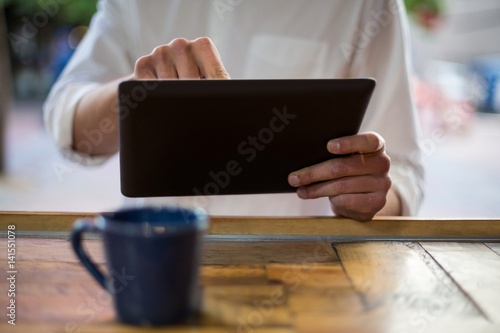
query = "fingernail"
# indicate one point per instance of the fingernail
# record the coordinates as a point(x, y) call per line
point(334, 146)
point(301, 192)
point(294, 180)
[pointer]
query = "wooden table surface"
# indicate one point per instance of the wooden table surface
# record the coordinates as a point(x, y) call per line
point(279, 275)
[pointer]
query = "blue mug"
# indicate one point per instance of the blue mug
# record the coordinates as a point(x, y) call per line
point(153, 259)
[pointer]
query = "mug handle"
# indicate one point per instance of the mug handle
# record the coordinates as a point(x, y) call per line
point(80, 227)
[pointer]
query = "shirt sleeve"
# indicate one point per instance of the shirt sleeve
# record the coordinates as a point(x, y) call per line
point(380, 50)
point(101, 57)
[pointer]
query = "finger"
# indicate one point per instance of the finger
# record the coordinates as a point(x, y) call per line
point(355, 165)
point(360, 206)
point(187, 68)
point(208, 59)
point(361, 217)
point(346, 185)
point(161, 60)
point(183, 60)
point(361, 143)
point(143, 70)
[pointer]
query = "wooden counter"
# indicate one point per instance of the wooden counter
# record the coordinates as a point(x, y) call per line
point(279, 275)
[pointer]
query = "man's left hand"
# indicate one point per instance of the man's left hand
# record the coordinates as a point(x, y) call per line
point(356, 184)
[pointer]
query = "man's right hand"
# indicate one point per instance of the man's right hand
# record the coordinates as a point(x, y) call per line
point(182, 59)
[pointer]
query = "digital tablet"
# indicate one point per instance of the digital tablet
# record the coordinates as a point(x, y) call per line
point(216, 137)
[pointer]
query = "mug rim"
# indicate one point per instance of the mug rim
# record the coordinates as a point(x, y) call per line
point(197, 218)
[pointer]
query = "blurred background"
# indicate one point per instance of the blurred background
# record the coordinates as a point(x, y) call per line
point(456, 60)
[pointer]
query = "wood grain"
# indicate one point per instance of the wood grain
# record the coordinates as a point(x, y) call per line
point(214, 252)
point(57, 250)
point(52, 272)
point(404, 280)
point(476, 268)
point(308, 275)
point(332, 227)
point(258, 285)
point(494, 247)
point(330, 309)
point(233, 275)
point(262, 252)
point(43, 221)
point(246, 307)
point(323, 227)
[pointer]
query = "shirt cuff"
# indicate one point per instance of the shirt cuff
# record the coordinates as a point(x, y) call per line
point(407, 180)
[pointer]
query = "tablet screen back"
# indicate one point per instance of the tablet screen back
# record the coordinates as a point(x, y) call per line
point(209, 137)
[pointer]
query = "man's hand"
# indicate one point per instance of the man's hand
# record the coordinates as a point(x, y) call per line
point(357, 185)
point(182, 59)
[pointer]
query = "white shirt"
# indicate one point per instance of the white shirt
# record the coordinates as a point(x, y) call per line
point(260, 39)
